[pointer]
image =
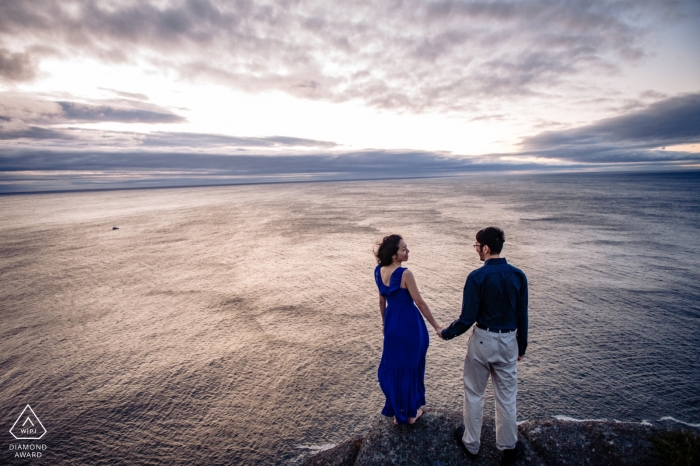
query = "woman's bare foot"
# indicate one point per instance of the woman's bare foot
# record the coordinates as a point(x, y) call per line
point(395, 423)
point(412, 420)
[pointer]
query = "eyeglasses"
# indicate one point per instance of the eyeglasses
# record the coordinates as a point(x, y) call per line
point(477, 245)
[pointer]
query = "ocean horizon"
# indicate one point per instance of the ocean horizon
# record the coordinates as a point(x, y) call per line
point(350, 177)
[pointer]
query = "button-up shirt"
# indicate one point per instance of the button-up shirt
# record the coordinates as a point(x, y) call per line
point(495, 296)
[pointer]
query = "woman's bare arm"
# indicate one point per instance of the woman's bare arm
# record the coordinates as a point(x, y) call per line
point(382, 307)
point(412, 287)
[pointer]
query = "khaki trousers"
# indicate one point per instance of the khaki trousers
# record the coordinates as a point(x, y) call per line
point(495, 355)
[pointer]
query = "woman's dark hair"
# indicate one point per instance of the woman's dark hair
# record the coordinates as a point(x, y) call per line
point(493, 237)
point(387, 248)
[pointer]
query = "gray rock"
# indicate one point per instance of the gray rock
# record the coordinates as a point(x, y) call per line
point(589, 443)
point(430, 441)
point(344, 454)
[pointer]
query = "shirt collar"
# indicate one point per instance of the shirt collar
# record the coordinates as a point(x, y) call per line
point(500, 260)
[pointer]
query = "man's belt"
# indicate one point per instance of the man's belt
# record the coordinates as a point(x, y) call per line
point(484, 327)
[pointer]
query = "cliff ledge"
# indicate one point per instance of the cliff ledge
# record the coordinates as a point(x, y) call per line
point(547, 442)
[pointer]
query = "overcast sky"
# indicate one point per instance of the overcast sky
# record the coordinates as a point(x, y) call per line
point(131, 93)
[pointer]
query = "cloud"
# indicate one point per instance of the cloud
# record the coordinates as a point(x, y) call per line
point(28, 124)
point(19, 109)
point(21, 114)
point(128, 95)
point(30, 138)
point(410, 55)
point(78, 112)
point(16, 66)
point(33, 132)
point(635, 136)
point(208, 141)
point(40, 124)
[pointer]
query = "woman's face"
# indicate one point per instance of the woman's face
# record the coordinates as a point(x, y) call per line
point(402, 254)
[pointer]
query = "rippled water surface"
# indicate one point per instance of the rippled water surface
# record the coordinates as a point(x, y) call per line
point(239, 325)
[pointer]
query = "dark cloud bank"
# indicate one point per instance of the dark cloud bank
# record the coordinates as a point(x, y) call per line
point(21, 110)
point(81, 113)
point(635, 137)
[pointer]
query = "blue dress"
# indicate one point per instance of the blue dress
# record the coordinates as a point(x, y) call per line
point(402, 369)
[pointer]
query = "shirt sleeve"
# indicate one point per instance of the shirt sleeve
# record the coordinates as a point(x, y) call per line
point(522, 318)
point(470, 308)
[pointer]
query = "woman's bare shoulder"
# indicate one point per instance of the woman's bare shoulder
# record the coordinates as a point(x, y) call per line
point(407, 279)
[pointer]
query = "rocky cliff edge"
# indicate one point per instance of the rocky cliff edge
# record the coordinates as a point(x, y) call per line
point(430, 441)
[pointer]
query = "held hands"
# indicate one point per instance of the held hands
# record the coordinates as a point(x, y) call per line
point(438, 330)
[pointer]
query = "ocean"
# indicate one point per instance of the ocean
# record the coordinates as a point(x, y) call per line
point(240, 325)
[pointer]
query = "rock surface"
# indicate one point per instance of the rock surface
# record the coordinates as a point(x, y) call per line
point(547, 442)
point(591, 442)
point(344, 454)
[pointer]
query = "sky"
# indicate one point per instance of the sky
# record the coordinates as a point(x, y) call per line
point(126, 94)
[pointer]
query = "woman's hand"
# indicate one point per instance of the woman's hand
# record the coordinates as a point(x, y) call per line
point(438, 330)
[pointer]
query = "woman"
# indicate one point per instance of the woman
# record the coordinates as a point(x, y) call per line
point(402, 369)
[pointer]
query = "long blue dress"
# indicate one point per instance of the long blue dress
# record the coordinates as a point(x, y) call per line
point(402, 369)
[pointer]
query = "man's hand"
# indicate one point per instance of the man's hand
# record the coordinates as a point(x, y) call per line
point(520, 357)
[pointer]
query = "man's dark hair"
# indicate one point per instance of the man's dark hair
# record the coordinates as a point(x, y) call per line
point(493, 237)
point(386, 248)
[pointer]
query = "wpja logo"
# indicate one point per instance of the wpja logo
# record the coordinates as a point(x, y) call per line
point(27, 427)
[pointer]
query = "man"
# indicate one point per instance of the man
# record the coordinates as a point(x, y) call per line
point(495, 298)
